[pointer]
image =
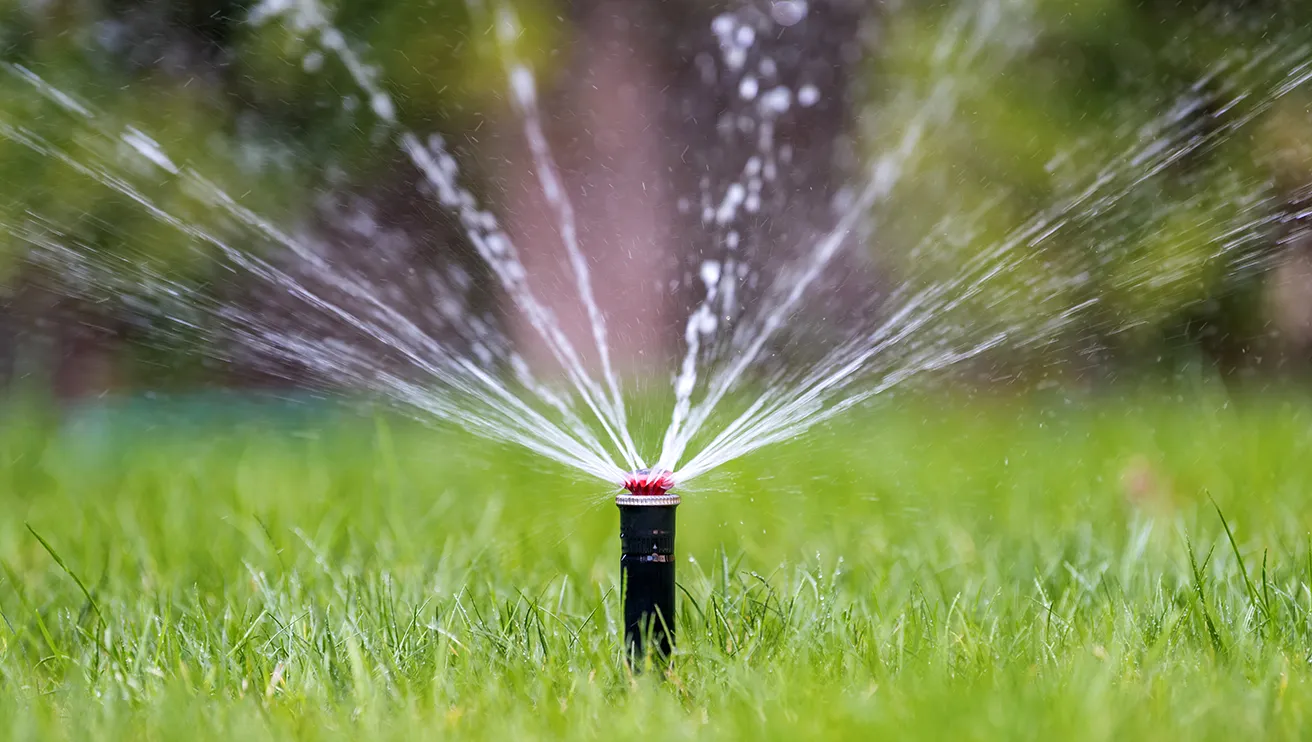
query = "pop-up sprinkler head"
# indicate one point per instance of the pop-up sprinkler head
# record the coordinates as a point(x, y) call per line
point(647, 560)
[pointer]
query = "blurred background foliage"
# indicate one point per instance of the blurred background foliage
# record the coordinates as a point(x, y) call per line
point(272, 122)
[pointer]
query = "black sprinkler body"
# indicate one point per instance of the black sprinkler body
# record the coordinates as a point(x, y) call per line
point(647, 563)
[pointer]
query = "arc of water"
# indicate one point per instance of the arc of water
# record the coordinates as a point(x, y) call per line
point(780, 414)
point(719, 278)
point(789, 412)
point(504, 416)
point(802, 405)
point(531, 423)
point(686, 381)
point(884, 175)
point(439, 168)
point(779, 407)
point(362, 293)
point(500, 254)
point(524, 94)
point(688, 420)
point(1149, 159)
point(327, 356)
point(803, 412)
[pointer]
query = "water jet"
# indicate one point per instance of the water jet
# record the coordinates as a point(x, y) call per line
point(647, 562)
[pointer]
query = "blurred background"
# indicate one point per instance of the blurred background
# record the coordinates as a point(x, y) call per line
point(636, 126)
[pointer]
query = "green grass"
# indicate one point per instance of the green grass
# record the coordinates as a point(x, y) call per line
point(923, 571)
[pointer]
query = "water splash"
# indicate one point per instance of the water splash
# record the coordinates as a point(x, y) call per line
point(455, 365)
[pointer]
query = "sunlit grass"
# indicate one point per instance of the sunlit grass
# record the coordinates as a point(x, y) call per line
point(929, 570)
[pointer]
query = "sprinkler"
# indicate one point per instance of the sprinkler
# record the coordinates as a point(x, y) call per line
point(647, 561)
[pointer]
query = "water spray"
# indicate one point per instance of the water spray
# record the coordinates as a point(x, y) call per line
point(647, 561)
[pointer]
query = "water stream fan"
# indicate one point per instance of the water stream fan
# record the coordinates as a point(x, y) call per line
point(647, 562)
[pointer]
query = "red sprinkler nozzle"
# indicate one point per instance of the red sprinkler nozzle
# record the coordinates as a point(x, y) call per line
point(648, 483)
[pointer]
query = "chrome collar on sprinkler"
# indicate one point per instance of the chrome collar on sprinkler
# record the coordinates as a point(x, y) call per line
point(647, 561)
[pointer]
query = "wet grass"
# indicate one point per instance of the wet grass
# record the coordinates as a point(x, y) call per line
point(1107, 569)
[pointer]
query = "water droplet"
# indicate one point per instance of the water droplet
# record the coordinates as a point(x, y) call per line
point(382, 107)
point(777, 100)
point(808, 95)
point(735, 58)
point(521, 81)
point(333, 39)
point(788, 12)
point(711, 273)
point(684, 386)
point(733, 197)
point(748, 87)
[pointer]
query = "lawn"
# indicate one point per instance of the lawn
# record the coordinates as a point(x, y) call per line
point(1129, 567)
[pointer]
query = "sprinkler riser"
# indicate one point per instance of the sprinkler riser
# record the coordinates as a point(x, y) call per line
point(647, 572)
